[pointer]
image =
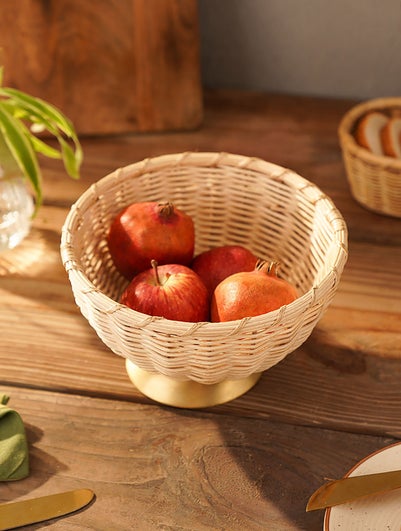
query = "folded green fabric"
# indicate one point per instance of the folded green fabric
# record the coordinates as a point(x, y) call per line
point(14, 457)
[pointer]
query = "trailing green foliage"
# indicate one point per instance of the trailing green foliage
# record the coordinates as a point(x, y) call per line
point(21, 118)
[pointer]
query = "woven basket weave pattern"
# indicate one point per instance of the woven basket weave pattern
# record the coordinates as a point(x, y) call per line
point(233, 200)
point(375, 181)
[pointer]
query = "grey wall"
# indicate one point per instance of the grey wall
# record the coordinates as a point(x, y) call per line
point(333, 48)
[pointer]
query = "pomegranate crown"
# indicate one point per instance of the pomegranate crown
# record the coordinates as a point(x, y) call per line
point(270, 268)
point(166, 209)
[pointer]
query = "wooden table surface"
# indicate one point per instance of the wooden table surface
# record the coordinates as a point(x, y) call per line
point(247, 465)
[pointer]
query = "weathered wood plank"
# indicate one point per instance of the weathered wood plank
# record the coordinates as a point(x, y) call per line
point(157, 468)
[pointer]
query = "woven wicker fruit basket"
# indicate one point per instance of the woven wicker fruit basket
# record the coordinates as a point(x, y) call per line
point(233, 200)
point(375, 180)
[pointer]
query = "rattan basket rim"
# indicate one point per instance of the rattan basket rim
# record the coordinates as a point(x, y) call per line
point(348, 121)
point(207, 159)
point(203, 328)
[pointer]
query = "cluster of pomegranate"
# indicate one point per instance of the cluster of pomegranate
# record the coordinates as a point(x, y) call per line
point(152, 244)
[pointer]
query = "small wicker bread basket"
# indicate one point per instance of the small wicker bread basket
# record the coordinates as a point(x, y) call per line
point(233, 200)
point(375, 180)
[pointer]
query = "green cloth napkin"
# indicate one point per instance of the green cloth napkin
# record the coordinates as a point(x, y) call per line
point(14, 457)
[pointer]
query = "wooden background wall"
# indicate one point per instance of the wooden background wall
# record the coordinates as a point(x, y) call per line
point(111, 65)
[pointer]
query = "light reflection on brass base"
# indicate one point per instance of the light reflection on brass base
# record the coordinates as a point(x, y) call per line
point(187, 394)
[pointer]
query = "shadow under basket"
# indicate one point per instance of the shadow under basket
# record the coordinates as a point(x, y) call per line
point(374, 180)
point(232, 199)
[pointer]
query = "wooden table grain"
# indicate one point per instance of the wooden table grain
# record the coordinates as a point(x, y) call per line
point(250, 464)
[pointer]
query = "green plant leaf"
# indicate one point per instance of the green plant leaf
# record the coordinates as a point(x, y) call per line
point(22, 150)
point(41, 109)
point(70, 160)
point(23, 114)
point(41, 147)
point(22, 117)
point(38, 111)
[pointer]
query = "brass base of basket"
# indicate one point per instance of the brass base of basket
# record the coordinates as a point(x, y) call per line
point(187, 394)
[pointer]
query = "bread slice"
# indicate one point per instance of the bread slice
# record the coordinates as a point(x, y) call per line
point(368, 132)
point(391, 138)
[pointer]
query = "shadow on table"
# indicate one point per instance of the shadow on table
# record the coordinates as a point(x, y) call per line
point(264, 472)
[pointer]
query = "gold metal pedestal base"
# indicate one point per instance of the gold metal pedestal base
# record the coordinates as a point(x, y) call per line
point(187, 394)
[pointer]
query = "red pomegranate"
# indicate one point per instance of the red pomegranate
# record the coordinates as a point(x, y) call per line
point(150, 231)
point(251, 293)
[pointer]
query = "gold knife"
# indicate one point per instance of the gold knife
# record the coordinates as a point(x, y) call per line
point(348, 489)
point(25, 512)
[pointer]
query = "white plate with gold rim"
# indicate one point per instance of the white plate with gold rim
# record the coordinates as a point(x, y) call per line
point(379, 512)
